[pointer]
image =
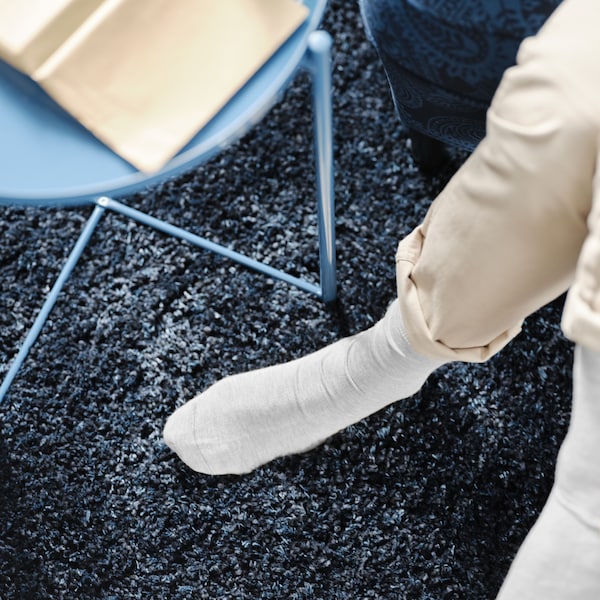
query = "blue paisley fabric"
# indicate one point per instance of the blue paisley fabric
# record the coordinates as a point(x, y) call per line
point(445, 58)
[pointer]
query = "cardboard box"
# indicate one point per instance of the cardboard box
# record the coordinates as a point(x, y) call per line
point(144, 76)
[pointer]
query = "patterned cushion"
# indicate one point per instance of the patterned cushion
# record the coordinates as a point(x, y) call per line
point(444, 58)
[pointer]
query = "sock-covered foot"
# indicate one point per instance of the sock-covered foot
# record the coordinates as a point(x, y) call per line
point(560, 558)
point(246, 420)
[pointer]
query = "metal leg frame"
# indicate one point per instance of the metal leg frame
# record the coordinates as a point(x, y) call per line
point(50, 301)
point(318, 62)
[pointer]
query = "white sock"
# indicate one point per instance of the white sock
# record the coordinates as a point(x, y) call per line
point(246, 420)
point(560, 558)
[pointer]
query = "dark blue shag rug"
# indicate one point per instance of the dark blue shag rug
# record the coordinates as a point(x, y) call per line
point(427, 499)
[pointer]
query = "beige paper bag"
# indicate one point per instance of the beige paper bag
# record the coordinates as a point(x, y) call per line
point(31, 30)
point(145, 75)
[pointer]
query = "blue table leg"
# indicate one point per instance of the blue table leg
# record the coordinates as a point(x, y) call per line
point(196, 240)
point(319, 56)
point(50, 301)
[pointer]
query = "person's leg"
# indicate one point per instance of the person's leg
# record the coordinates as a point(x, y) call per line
point(560, 558)
point(500, 241)
point(503, 237)
point(246, 420)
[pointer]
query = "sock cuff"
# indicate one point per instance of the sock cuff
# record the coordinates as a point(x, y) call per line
point(397, 337)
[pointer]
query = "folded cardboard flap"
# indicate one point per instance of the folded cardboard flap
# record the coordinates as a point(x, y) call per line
point(145, 76)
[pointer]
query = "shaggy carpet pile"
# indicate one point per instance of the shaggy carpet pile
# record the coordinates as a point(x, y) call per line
point(427, 499)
